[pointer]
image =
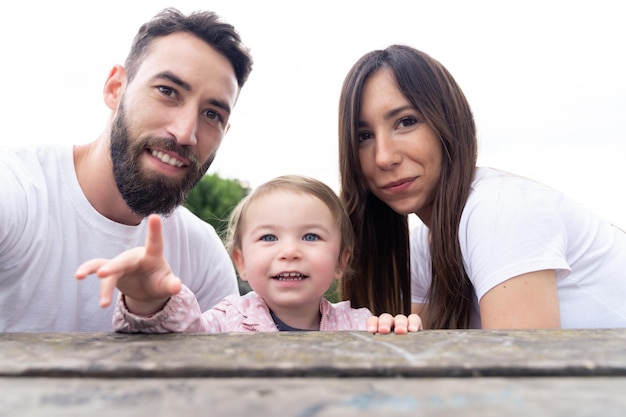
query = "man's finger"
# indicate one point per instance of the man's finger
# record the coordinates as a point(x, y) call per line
point(154, 237)
point(122, 263)
point(89, 267)
point(107, 285)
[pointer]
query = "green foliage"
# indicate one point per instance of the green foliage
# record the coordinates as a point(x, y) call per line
point(332, 294)
point(213, 198)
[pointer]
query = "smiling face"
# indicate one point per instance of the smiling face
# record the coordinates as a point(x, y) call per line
point(289, 253)
point(399, 153)
point(170, 121)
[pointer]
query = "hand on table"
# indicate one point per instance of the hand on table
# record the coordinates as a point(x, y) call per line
point(400, 324)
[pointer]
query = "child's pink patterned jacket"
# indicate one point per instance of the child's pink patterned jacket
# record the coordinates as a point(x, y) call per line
point(247, 313)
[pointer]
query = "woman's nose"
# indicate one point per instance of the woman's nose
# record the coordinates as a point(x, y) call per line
point(386, 153)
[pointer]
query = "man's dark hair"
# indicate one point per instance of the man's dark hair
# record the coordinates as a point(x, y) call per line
point(206, 25)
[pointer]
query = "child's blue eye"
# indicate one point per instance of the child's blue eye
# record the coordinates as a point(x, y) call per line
point(310, 237)
point(268, 238)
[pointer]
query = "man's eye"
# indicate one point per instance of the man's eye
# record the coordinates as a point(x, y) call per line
point(166, 91)
point(268, 238)
point(214, 116)
point(311, 237)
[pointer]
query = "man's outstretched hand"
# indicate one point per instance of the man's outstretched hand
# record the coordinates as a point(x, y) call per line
point(142, 274)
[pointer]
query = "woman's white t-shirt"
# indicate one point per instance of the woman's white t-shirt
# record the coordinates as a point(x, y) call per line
point(511, 225)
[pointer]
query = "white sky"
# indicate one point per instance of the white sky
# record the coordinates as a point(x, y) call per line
point(546, 80)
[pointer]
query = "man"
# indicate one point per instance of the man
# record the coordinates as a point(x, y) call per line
point(170, 107)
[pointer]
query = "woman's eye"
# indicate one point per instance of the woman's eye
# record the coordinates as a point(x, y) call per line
point(407, 121)
point(268, 238)
point(363, 136)
point(310, 237)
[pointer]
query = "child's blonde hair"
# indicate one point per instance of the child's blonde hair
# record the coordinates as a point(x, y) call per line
point(299, 184)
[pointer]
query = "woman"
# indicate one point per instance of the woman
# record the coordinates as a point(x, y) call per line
point(493, 250)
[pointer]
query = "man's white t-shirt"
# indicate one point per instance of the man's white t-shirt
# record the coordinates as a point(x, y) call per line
point(48, 228)
point(511, 226)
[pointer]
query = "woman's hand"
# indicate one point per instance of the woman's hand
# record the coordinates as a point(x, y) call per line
point(400, 324)
point(142, 274)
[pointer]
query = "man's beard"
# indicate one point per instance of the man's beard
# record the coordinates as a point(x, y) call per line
point(144, 192)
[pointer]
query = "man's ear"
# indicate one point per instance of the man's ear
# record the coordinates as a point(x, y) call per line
point(342, 264)
point(114, 87)
point(239, 264)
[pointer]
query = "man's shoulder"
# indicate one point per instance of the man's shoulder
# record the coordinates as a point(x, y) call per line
point(182, 217)
point(36, 157)
point(182, 223)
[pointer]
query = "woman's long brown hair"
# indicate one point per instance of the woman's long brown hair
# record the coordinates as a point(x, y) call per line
point(382, 260)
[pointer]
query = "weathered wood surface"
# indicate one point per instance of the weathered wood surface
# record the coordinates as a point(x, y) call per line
point(444, 373)
point(313, 397)
point(314, 354)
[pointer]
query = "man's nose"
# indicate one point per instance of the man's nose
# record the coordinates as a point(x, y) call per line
point(184, 127)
